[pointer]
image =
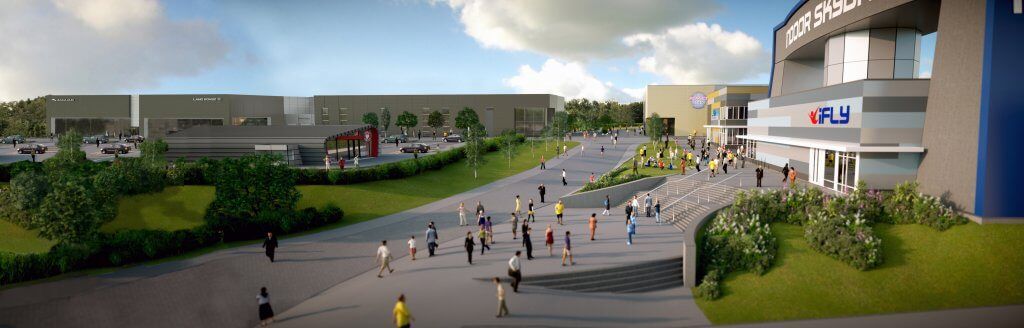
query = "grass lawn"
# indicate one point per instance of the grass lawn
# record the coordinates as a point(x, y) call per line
point(174, 208)
point(366, 201)
point(18, 240)
point(651, 171)
point(967, 266)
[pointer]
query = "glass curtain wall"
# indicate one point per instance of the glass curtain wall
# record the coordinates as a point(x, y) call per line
point(93, 126)
point(530, 121)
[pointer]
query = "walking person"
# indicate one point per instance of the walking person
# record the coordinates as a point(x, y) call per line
point(607, 205)
point(542, 166)
point(602, 151)
point(462, 214)
point(636, 205)
point(469, 243)
point(479, 207)
point(401, 314)
point(527, 242)
point(431, 239)
point(514, 271)
point(593, 225)
point(792, 177)
point(564, 182)
point(518, 211)
point(384, 258)
point(785, 174)
point(502, 308)
point(567, 250)
point(592, 177)
point(542, 190)
point(265, 311)
point(489, 229)
point(759, 173)
point(412, 247)
point(515, 224)
point(483, 240)
point(529, 212)
point(270, 245)
point(549, 240)
point(657, 211)
point(559, 209)
point(647, 205)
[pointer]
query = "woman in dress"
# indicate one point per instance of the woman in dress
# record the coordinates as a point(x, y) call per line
point(549, 240)
point(266, 313)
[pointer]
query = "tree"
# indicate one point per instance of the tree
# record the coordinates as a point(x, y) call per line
point(559, 127)
point(24, 117)
point(19, 202)
point(153, 152)
point(465, 119)
point(509, 145)
point(69, 156)
point(385, 119)
point(249, 186)
point(475, 148)
point(655, 127)
point(435, 121)
point(371, 119)
point(74, 210)
point(406, 121)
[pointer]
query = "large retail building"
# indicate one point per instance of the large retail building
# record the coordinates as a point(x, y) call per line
point(157, 115)
point(715, 111)
point(847, 103)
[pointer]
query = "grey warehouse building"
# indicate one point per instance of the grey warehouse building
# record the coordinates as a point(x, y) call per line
point(155, 116)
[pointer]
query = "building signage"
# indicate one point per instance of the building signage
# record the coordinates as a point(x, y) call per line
point(698, 100)
point(838, 115)
point(62, 99)
point(824, 11)
point(206, 99)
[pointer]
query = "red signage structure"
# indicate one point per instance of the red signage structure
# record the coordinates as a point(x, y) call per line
point(366, 135)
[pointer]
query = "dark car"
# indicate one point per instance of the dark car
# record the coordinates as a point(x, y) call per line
point(12, 139)
point(416, 148)
point(119, 148)
point(393, 137)
point(92, 139)
point(134, 138)
point(454, 138)
point(32, 149)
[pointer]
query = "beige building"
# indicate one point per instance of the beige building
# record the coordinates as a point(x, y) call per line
point(683, 108)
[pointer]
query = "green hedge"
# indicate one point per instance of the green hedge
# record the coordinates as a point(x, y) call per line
point(133, 246)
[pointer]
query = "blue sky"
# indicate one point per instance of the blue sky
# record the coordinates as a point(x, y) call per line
point(573, 48)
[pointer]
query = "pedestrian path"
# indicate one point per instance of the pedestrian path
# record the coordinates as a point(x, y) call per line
point(218, 289)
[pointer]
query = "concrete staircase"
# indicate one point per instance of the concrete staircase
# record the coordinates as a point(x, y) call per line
point(686, 199)
point(633, 278)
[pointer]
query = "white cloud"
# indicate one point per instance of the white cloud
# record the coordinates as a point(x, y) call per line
point(571, 29)
point(570, 80)
point(98, 46)
point(636, 93)
point(701, 53)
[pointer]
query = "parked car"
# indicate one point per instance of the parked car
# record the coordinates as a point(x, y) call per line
point(453, 138)
point(30, 149)
point(13, 138)
point(92, 139)
point(416, 148)
point(118, 148)
point(134, 138)
point(391, 138)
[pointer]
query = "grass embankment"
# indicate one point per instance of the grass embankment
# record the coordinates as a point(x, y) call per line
point(652, 171)
point(182, 207)
point(967, 266)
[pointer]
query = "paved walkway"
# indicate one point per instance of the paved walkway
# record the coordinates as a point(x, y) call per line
point(219, 289)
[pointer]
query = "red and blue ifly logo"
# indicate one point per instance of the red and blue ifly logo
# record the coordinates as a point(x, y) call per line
point(822, 114)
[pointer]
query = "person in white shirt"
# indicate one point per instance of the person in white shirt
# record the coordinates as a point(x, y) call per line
point(502, 308)
point(515, 272)
point(412, 247)
point(327, 162)
point(384, 258)
point(564, 182)
point(462, 214)
point(635, 204)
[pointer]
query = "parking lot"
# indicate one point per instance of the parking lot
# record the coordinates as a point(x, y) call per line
point(9, 153)
point(390, 153)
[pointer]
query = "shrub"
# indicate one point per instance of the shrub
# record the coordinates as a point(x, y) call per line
point(710, 288)
point(738, 240)
point(131, 176)
point(845, 237)
point(612, 178)
point(800, 202)
point(906, 205)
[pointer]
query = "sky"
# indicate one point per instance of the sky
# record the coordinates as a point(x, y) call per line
point(598, 49)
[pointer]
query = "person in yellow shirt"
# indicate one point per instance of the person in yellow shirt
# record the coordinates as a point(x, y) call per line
point(559, 208)
point(402, 316)
point(712, 166)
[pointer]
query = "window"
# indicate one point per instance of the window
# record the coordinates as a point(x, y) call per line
point(530, 121)
point(343, 115)
point(250, 121)
point(325, 116)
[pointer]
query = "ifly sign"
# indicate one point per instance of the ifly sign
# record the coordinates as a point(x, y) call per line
point(832, 115)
